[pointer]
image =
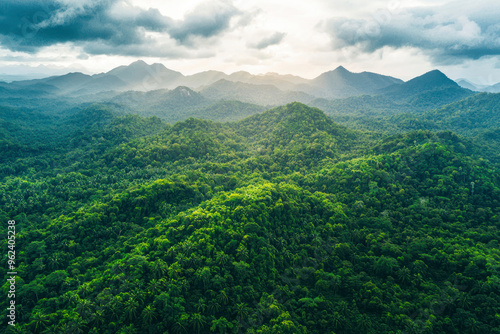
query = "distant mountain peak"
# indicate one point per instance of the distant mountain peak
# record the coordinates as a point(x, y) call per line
point(434, 78)
point(341, 83)
point(436, 73)
point(139, 62)
point(184, 90)
point(342, 69)
point(430, 90)
point(464, 83)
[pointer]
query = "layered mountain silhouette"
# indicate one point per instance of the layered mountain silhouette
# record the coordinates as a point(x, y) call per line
point(479, 88)
point(430, 90)
point(341, 83)
point(263, 94)
point(429, 81)
point(159, 84)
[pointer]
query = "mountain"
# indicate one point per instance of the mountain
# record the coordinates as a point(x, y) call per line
point(428, 91)
point(266, 95)
point(366, 105)
point(136, 76)
point(170, 105)
point(282, 82)
point(143, 77)
point(492, 89)
point(429, 81)
point(464, 83)
point(341, 83)
point(69, 82)
point(207, 78)
point(475, 113)
point(201, 79)
point(224, 111)
point(33, 90)
point(480, 88)
point(99, 84)
point(381, 111)
point(291, 126)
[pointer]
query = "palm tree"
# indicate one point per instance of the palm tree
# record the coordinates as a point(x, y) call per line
point(159, 268)
point(201, 305)
point(38, 320)
point(241, 310)
point(337, 320)
point(464, 301)
point(197, 322)
point(154, 286)
point(148, 315)
point(115, 307)
point(130, 329)
point(54, 261)
point(222, 297)
point(364, 323)
point(137, 295)
point(222, 258)
point(131, 309)
point(344, 308)
point(84, 307)
point(180, 325)
point(84, 288)
point(213, 306)
point(54, 329)
point(77, 326)
point(98, 318)
point(18, 329)
point(474, 326)
point(404, 275)
point(222, 325)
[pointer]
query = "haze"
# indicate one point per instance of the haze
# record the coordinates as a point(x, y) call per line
point(398, 38)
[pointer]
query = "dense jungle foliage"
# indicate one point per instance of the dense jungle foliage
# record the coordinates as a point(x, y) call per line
point(283, 222)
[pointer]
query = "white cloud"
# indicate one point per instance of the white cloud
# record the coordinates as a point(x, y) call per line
point(403, 38)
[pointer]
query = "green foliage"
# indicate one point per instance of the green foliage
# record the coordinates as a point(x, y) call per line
point(284, 222)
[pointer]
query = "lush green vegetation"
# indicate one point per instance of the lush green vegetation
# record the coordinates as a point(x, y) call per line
point(283, 222)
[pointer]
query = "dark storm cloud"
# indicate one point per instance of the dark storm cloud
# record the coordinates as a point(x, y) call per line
point(274, 39)
point(99, 26)
point(446, 35)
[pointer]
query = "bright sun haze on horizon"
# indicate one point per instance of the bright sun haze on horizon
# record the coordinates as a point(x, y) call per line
point(397, 38)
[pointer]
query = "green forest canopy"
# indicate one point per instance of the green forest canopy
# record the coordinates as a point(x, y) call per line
point(284, 222)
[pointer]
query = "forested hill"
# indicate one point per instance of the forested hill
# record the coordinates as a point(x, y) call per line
point(284, 222)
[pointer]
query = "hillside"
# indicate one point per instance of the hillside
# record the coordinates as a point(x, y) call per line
point(283, 222)
point(265, 95)
point(341, 83)
point(430, 90)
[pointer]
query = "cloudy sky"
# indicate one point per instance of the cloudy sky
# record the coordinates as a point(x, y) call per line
point(403, 38)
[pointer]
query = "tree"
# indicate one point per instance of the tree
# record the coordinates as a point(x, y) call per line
point(38, 322)
point(148, 315)
point(197, 322)
point(221, 326)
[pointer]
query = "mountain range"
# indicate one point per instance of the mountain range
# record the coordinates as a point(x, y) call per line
point(139, 76)
point(479, 88)
point(147, 201)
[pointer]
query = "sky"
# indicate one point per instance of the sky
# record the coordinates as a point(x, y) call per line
point(402, 38)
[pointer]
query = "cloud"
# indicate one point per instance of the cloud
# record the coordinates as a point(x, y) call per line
point(107, 26)
point(206, 20)
point(274, 39)
point(446, 34)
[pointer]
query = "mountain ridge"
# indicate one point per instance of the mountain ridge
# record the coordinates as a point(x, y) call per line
point(143, 77)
